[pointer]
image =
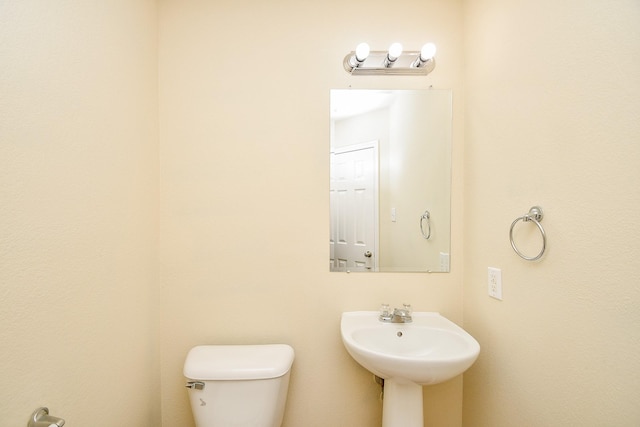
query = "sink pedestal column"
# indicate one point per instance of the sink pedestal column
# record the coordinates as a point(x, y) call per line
point(402, 404)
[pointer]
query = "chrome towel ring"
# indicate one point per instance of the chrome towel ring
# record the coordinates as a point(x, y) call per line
point(426, 215)
point(535, 214)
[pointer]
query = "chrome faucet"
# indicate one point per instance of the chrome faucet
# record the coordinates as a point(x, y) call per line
point(399, 315)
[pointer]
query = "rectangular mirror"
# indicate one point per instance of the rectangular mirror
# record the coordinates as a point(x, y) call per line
point(390, 180)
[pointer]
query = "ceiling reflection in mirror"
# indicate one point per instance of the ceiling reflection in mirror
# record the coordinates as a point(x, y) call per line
point(390, 180)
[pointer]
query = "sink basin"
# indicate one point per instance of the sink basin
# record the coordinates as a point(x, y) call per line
point(429, 350)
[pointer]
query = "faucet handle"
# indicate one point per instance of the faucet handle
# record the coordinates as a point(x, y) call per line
point(385, 314)
point(407, 309)
point(384, 309)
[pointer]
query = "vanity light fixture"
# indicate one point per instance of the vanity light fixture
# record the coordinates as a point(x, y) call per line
point(364, 61)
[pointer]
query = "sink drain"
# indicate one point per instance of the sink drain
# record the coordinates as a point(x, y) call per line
point(399, 334)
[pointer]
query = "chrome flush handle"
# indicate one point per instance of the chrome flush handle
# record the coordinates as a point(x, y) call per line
point(197, 385)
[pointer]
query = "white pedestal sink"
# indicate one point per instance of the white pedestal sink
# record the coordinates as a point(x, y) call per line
point(429, 350)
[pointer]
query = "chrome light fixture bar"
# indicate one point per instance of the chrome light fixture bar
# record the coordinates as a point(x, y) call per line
point(365, 62)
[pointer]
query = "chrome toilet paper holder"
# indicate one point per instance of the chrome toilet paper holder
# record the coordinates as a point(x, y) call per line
point(41, 418)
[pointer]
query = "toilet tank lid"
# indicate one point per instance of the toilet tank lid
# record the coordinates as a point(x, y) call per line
point(238, 362)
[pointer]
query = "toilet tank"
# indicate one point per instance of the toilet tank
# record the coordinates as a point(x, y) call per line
point(238, 385)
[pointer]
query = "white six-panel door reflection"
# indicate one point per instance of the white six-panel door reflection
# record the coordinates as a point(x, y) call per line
point(354, 208)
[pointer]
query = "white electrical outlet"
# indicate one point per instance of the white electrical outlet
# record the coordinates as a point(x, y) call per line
point(444, 261)
point(495, 283)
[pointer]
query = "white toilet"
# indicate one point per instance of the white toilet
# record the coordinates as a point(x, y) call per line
point(238, 385)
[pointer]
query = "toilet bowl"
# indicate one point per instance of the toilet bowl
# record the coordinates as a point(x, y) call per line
point(238, 385)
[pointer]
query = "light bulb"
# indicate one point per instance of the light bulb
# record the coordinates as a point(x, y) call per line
point(395, 50)
point(362, 51)
point(427, 52)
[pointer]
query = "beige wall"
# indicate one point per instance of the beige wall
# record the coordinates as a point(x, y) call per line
point(552, 119)
point(244, 136)
point(419, 162)
point(78, 149)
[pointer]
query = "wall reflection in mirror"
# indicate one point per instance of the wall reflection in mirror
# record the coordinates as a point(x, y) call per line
point(390, 182)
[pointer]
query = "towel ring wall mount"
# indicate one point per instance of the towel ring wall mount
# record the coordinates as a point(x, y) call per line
point(535, 215)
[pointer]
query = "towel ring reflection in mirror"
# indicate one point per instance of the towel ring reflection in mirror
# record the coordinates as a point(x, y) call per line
point(425, 216)
point(535, 214)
